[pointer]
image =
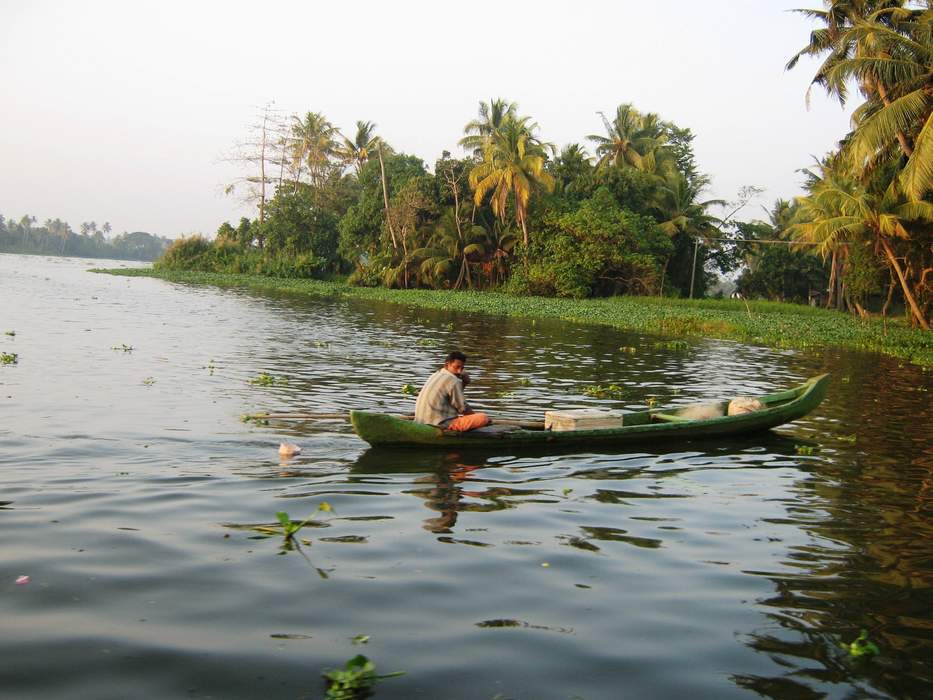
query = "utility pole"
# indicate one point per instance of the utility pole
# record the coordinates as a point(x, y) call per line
point(693, 270)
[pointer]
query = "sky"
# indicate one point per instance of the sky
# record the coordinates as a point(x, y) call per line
point(126, 111)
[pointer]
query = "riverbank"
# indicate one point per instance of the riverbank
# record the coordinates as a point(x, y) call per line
point(759, 323)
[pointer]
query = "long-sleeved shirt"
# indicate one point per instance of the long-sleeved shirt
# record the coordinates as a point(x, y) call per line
point(440, 399)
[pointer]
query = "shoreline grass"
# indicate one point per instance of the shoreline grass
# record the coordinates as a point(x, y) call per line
point(771, 324)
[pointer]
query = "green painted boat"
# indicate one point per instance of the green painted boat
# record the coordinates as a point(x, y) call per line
point(658, 424)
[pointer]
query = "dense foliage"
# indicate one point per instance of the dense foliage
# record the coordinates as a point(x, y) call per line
point(868, 208)
point(55, 237)
point(629, 218)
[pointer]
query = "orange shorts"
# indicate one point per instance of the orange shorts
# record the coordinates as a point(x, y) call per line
point(468, 422)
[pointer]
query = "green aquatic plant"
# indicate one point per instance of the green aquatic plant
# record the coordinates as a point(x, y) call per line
point(524, 381)
point(805, 449)
point(355, 680)
point(8, 358)
point(627, 348)
point(123, 347)
point(10, 333)
point(862, 646)
point(320, 344)
point(149, 381)
point(774, 324)
point(265, 379)
point(409, 389)
point(613, 391)
point(287, 527)
point(848, 438)
point(360, 639)
point(651, 401)
point(673, 345)
point(425, 342)
point(504, 394)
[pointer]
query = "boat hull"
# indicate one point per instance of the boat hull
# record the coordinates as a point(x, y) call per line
point(662, 424)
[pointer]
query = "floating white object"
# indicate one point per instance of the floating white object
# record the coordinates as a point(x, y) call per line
point(583, 419)
point(287, 449)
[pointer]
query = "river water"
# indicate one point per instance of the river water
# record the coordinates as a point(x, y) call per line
point(726, 569)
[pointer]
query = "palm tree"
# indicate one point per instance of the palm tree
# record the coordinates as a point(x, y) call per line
point(895, 66)
point(678, 208)
point(359, 150)
point(572, 164)
point(632, 140)
point(886, 48)
point(511, 170)
point(313, 142)
point(840, 210)
point(449, 250)
point(492, 117)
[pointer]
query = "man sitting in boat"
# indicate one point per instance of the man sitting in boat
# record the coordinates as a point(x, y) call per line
point(441, 402)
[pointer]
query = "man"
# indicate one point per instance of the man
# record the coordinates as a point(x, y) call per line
point(441, 403)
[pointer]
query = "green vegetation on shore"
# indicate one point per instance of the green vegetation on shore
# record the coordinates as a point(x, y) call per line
point(622, 211)
point(771, 324)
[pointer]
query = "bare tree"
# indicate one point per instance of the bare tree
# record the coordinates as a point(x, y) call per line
point(263, 149)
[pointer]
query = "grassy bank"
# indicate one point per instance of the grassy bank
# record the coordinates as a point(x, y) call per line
point(760, 323)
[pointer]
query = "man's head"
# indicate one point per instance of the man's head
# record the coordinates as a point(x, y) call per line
point(454, 362)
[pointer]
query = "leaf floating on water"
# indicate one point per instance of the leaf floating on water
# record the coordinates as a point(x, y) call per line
point(346, 539)
point(409, 389)
point(863, 646)
point(505, 622)
point(360, 639)
point(290, 636)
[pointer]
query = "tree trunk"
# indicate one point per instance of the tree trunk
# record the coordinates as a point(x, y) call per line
point(831, 287)
point(905, 288)
point(521, 220)
point(262, 170)
point(385, 199)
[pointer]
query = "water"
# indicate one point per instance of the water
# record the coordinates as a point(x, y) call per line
point(128, 487)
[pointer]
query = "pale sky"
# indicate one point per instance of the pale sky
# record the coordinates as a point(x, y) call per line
point(123, 111)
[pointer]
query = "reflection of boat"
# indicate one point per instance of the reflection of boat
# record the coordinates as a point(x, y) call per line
point(658, 424)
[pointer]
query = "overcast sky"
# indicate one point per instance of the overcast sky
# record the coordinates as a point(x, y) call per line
point(123, 111)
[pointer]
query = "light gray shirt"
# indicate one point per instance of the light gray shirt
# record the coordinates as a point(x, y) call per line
point(440, 399)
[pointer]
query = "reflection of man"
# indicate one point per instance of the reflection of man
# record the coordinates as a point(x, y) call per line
point(441, 403)
point(444, 493)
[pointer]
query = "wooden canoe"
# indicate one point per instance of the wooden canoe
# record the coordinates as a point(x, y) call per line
point(641, 426)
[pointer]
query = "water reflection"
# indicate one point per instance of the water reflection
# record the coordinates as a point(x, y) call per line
point(754, 561)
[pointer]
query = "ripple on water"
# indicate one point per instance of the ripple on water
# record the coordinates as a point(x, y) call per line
point(695, 568)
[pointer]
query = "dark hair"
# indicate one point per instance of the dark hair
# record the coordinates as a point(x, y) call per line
point(455, 355)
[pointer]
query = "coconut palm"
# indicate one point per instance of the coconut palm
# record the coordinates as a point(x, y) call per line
point(895, 65)
point(313, 142)
point(886, 48)
point(449, 250)
point(632, 140)
point(511, 170)
point(491, 118)
point(676, 202)
point(364, 144)
point(839, 211)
